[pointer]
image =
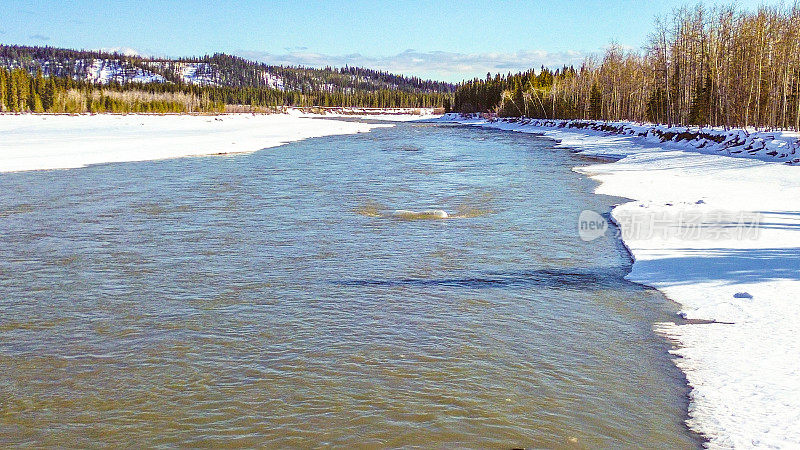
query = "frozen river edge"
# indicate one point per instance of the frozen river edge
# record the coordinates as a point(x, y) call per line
point(46, 141)
point(720, 236)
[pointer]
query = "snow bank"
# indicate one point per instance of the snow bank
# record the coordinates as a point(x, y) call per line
point(385, 114)
point(720, 236)
point(393, 117)
point(31, 142)
point(776, 146)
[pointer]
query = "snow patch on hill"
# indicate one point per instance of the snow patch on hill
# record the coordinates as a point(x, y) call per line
point(205, 74)
point(95, 70)
point(104, 71)
point(198, 73)
point(273, 81)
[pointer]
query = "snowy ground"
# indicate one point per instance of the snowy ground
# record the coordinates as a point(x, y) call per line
point(773, 146)
point(721, 237)
point(384, 114)
point(34, 142)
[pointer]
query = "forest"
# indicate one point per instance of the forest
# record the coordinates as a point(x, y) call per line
point(704, 67)
point(46, 79)
point(22, 92)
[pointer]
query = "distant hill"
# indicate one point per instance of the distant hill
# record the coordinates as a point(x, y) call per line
point(219, 69)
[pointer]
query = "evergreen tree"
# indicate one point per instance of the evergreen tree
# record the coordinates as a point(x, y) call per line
point(48, 95)
point(701, 102)
point(36, 103)
point(657, 106)
point(23, 89)
point(13, 91)
point(3, 89)
point(596, 103)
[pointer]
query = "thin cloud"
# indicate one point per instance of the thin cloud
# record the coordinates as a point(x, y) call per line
point(39, 37)
point(449, 66)
point(131, 51)
point(127, 51)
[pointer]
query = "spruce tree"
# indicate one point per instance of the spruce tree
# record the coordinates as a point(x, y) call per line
point(701, 102)
point(23, 89)
point(13, 91)
point(48, 96)
point(596, 103)
point(36, 103)
point(3, 88)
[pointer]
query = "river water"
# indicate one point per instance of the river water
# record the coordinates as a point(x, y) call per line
point(276, 299)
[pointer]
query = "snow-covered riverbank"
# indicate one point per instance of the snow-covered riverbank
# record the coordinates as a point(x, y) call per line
point(773, 146)
point(35, 142)
point(721, 237)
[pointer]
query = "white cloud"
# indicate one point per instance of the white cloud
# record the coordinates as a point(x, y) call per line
point(448, 66)
point(132, 51)
point(127, 51)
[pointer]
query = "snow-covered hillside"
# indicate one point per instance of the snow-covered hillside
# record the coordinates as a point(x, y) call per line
point(104, 71)
point(219, 69)
point(205, 74)
point(197, 73)
point(273, 81)
point(96, 70)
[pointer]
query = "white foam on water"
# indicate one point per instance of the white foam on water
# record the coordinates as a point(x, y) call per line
point(426, 214)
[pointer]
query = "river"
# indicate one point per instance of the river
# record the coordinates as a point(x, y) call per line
point(278, 299)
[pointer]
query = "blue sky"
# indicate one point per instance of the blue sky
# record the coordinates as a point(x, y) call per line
point(449, 40)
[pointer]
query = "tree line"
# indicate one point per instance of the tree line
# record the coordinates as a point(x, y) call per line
point(706, 67)
point(219, 80)
point(21, 91)
point(229, 70)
